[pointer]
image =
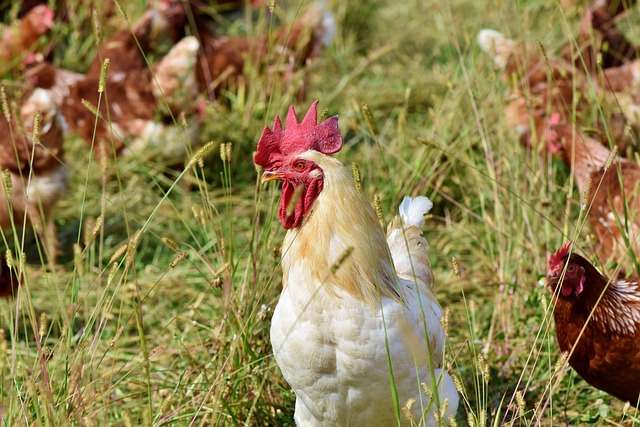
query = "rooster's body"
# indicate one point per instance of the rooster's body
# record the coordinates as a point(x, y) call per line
point(347, 322)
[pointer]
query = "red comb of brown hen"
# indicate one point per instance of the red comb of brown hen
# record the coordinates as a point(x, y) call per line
point(278, 144)
point(559, 256)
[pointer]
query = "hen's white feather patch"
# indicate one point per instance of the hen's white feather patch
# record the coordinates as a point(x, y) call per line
point(412, 211)
point(495, 44)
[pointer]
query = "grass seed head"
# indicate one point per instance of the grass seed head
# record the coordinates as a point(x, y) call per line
point(43, 325)
point(612, 156)
point(9, 259)
point(5, 104)
point(177, 258)
point(132, 247)
point(78, 259)
point(89, 106)
point(357, 178)
point(7, 184)
point(103, 75)
point(377, 204)
point(97, 226)
point(201, 152)
point(112, 271)
point(97, 27)
point(520, 402)
point(272, 6)
point(456, 267)
point(406, 409)
point(323, 115)
point(115, 339)
point(170, 243)
point(368, 118)
point(119, 252)
point(561, 362)
point(121, 10)
point(427, 390)
point(166, 405)
point(544, 303)
point(35, 135)
point(483, 368)
point(584, 195)
point(227, 148)
point(444, 320)
point(471, 419)
point(457, 383)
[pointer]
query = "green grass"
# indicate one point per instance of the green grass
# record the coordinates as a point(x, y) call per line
point(158, 312)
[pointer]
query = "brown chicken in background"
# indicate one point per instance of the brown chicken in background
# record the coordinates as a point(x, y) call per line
point(599, 37)
point(610, 190)
point(222, 62)
point(135, 112)
point(597, 323)
point(545, 83)
point(22, 37)
point(37, 176)
point(42, 74)
point(127, 48)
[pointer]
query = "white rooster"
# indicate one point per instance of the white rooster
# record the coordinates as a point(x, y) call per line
point(359, 342)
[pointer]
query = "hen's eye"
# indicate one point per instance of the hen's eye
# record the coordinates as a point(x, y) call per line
point(299, 166)
point(571, 268)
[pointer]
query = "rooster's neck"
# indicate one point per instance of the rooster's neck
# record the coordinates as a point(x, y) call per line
point(340, 246)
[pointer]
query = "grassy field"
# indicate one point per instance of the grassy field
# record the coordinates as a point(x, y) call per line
point(158, 312)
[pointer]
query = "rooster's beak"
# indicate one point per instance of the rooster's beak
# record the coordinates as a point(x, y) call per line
point(270, 176)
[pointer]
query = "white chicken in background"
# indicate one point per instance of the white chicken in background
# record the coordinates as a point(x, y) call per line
point(350, 331)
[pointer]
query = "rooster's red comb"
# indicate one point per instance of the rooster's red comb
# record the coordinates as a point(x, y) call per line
point(557, 259)
point(277, 144)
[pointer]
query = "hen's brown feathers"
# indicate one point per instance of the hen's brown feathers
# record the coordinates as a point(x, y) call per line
point(600, 328)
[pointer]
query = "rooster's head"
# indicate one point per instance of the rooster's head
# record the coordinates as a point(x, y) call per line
point(281, 153)
point(572, 281)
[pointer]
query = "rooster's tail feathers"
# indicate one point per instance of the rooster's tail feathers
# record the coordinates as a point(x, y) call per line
point(409, 249)
point(412, 211)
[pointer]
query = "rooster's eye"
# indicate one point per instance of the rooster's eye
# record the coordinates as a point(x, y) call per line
point(299, 166)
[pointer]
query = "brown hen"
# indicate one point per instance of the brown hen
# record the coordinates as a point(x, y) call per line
point(21, 38)
point(597, 323)
point(36, 176)
point(610, 186)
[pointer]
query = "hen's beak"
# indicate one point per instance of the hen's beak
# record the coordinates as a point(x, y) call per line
point(271, 176)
